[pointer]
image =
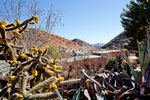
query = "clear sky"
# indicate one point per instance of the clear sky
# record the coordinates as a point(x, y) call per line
point(93, 21)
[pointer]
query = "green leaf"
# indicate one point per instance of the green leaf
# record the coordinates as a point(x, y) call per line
point(148, 47)
point(125, 73)
point(76, 96)
point(141, 54)
point(131, 68)
point(59, 95)
point(127, 82)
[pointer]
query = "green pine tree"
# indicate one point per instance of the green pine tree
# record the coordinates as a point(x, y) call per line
point(135, 20)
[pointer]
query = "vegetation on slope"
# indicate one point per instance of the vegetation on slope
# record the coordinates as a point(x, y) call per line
point(36, 37)
point(119, 41)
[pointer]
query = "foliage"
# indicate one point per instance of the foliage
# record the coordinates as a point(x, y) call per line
point(33, 75)
point(118, 84)
point(111, 63)
point(53, 51)
point(77, 95)
point(135, 20)
point(118, 41)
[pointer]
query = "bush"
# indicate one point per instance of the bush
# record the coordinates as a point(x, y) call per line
point(53, 51)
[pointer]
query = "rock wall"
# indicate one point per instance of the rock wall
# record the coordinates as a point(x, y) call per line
point(71, 70)
point(111, 52)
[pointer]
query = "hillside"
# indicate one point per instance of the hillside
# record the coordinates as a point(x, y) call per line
point(84, 44)
point(97, 45)
point(35, 37)
point(119, 41)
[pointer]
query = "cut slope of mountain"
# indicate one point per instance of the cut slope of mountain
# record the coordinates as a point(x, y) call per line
point(97, 45)
point(36, 37)
point(84, 44)
point(120, 41)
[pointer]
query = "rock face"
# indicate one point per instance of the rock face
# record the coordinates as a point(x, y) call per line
point(71, 70)
point(84, 44)
point(119, 41)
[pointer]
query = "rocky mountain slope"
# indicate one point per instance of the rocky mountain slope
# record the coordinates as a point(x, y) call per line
point(120, 41)
point(84, 44)
point(35, 37)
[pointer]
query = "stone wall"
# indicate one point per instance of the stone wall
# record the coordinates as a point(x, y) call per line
point(71, 70)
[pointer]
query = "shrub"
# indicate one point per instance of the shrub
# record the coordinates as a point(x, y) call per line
point(33, 75)
point(53, 51)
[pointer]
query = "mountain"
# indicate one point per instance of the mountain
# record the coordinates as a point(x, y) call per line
point(97, 45)
point(84, 44)
point(120, 41)
point(36, 37)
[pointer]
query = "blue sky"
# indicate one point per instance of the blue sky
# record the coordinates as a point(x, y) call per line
point(94, 21)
